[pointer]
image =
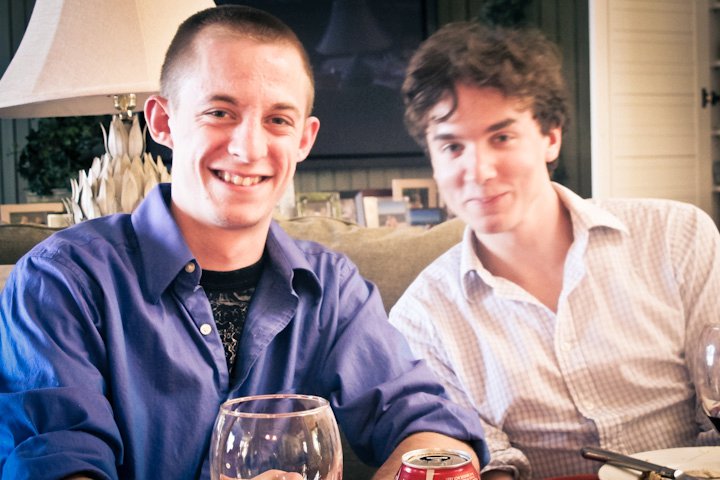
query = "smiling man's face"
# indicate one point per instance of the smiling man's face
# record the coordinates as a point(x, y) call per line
point(238, 127)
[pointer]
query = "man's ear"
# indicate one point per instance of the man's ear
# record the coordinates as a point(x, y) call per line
point(157, 117)
point(554, 143)
point(309, 134)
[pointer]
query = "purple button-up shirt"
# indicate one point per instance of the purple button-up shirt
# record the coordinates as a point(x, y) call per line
point(111, 363)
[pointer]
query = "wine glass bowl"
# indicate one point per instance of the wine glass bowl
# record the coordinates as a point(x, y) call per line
point(707, 362)
point(272, 434)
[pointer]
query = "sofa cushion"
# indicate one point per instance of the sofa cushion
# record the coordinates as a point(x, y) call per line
point(391, 257)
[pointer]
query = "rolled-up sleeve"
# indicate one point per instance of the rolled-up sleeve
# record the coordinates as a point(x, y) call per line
point(54, 416)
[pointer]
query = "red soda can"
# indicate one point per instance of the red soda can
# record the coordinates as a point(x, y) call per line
point(437, 464)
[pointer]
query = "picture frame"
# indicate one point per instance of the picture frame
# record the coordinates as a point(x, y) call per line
point(348, 207)
point(29, 213)
point(392, 213)
point(366, 204)
point(419, 192)
point(318, 204)
point(426, 217)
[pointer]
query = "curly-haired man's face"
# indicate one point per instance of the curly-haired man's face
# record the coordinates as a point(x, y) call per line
point(490, 160)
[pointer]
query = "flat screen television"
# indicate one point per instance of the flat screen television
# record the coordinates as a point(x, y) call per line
point(359, 50)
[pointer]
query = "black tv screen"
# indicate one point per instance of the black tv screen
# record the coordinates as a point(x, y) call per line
point(359, 50)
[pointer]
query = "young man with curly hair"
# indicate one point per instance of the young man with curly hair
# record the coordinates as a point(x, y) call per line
point(564, 322)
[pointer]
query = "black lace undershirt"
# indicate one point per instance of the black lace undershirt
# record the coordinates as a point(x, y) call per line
point(230, 294)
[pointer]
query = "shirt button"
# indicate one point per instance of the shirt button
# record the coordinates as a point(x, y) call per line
point(205, 329)
point(190, 267)
point(567, 346)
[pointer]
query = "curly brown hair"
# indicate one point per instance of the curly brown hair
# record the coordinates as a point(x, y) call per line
point(520, 63)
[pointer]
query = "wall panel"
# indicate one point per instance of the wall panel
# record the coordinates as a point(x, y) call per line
point(645, 104)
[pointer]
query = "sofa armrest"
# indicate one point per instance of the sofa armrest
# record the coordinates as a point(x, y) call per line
point(16, 240)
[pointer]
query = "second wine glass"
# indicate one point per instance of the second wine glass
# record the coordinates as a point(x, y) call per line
point(707, 362)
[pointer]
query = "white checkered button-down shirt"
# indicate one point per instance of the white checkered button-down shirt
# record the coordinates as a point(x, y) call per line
point(610, 368)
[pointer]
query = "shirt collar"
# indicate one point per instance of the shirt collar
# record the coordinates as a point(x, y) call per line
point(165, 254)
point(287, 257)
point(586, 216)
point(162, 247)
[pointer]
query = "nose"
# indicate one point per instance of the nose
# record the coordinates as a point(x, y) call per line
point(247, 141)
point(480, 166)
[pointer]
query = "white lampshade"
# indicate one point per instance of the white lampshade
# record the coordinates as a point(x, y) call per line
point(76, 54)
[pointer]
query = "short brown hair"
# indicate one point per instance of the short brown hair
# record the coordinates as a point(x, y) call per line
point(243, 20)
point(519, 63)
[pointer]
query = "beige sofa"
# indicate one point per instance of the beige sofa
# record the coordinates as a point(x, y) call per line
point(390, 257)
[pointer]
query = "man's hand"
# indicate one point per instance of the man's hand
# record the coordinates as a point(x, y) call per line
point(421, 440)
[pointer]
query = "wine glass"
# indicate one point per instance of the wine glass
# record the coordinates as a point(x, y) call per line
point(283, 436)
point(708, 372)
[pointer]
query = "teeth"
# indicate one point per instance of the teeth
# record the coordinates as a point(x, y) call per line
point(238, 179)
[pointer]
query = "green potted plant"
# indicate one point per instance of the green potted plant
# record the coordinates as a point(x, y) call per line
point(57, 149)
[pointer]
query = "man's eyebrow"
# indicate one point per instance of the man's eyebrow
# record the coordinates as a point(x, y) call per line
point(500, 125)
point(286, 106)
point(444, 136)
point(492, 128)
point(222, 98)
point(231, 100)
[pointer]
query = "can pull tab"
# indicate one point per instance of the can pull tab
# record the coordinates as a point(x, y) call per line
point(436, 460)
